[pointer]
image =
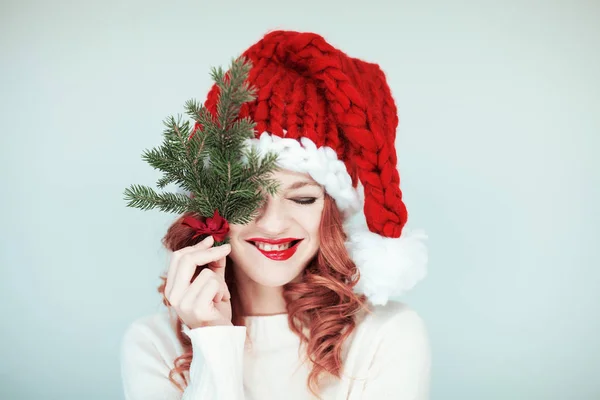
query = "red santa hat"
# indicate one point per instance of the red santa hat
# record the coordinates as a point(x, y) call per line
point(333, 116)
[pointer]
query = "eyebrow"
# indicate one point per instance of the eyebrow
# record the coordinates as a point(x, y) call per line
point(300, 184)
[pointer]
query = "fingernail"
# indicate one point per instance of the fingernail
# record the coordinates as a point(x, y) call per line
point(203, 241)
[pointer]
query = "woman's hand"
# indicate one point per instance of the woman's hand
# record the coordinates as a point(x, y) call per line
point(206, 301)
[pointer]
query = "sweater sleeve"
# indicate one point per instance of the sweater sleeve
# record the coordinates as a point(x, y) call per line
point(215, 371)
point(400, 369)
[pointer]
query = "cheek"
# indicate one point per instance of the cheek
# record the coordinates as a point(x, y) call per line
point(236, 231)
point(235, 235)
point(310, 220)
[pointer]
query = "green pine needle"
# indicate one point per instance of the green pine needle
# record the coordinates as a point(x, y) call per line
point(214, 163)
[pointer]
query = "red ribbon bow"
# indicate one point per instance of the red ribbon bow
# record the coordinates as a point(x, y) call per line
point(216, 226)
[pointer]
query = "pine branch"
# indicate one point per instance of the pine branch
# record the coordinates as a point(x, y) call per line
point(211, 161)
point(146, 198)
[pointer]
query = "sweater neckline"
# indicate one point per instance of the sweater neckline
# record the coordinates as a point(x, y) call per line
point(270, 332)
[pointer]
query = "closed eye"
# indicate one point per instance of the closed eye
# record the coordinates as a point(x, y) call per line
point(305, 200)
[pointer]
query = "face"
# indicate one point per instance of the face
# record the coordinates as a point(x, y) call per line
point(278, 244)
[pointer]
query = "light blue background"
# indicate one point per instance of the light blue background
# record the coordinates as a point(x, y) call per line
point(499, 106)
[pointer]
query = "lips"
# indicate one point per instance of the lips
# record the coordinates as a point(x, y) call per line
point(277, 255)
point(272, 241)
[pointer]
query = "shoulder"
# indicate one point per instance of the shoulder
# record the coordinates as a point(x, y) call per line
point(157, 324)
point(394, 326)
point(395, 317)
point(154, 333)
point(391, 354)
point(149, 348)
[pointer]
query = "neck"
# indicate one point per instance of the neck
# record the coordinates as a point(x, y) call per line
point(257, 299)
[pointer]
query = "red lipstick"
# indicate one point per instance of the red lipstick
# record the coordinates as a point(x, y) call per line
point(272, 241)
point(277, 255)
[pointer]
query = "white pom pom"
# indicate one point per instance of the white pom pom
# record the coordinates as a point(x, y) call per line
point(388, 267)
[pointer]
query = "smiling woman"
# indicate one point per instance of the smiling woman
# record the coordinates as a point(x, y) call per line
point(297, 304)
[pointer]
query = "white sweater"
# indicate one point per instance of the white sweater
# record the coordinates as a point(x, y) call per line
point(388, 355)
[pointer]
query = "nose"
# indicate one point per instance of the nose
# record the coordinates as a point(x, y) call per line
point(272, 218)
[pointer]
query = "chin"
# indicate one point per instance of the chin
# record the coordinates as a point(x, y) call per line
point(273, 281)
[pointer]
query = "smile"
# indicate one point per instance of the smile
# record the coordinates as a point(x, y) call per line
point(279, 250)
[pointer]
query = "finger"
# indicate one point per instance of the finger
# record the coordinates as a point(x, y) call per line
point(227, 295)
point(223, 294)
point(208, 293)
point(188, 300)
point(218, 266)
point(187, 266)
point(210, 273)
point(206, 243)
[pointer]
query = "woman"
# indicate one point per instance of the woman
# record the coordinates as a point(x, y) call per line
point(296, 306)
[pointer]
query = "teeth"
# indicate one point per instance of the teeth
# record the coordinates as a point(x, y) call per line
point(272, 247)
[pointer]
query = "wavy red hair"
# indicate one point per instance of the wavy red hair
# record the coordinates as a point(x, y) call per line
point(323, 301)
